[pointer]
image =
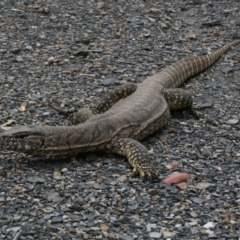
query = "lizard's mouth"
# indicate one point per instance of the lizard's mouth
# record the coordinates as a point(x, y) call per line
point(36, 141)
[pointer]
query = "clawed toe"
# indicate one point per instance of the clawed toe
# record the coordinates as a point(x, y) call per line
point(146, 174)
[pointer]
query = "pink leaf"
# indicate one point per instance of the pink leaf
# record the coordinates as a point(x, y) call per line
point(176, 178)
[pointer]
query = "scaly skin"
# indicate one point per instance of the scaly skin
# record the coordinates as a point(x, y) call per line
point(115, 125)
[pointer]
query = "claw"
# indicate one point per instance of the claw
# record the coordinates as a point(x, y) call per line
point(194, 113)
point(62, 111)
point(134, 173)
point(146, 173)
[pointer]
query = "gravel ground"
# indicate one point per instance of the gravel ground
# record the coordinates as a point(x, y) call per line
point(76, 51)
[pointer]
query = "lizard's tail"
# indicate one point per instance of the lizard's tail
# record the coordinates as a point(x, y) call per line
point(174, 75)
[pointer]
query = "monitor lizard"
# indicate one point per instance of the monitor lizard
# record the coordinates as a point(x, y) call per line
point(119, 120)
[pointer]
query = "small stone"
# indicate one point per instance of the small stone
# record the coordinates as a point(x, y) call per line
point(13, 229)
point(53, 196)
point(227, 70)
point(204, 185)
point(36, 179)
point(15, 50)
point(45, 113)
point(154, 10)
point(206, 152)
point(155, 234)
point(237, 134)
point(57, 219)
point(126, 237)
point(19, 59)
point(211, 23)
point(209, 225)
point(64, 170)
point(51, 60)
point(198, 200)
point(206, 105)
point(29, 186)
point(168, 234)
point(178, 225)
point(28, 47)
point(192, 223)
point(57, 175)
point(232, 121)
point(123, 219)
point(122, 178)
point(152, 191)
point(150, 226)
point(182, 185)
point(97, 186)
point(108, 81)
point(28, 2)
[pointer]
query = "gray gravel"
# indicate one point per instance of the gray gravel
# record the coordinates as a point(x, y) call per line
point(77, 52)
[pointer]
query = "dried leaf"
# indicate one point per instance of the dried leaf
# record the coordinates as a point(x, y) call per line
point(152, 191)
point(218, 168)
point(172, 166)
point(22, 108)
point(10, 121)
point(163, 25)
point(154, 11)
point(20, 171)
point(104, 227)
point(151, 19)
point(176, 178)
point(183, 185)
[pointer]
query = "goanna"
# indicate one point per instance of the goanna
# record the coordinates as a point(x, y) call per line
point(120, 119)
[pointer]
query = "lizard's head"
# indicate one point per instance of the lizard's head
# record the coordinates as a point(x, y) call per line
point(27, 139)
point(46, 141)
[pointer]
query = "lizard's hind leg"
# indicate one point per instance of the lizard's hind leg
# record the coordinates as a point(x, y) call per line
point(137, 156)
point(179, 99)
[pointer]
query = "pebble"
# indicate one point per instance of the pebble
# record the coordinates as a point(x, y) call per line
point(232, 121)
point(155, 235)
point(108, 81)
point(209, 225)
point(51, 60)
point(206, 105)
point(204, 185)
point(56, 220)
point(64, 170)
point(198, 200)
point(168, 234)
point(126, 237)
point(19, 59)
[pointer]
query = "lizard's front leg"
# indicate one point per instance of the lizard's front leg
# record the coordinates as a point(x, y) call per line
point(179, 99)
point(137, 156)
point(99, 107)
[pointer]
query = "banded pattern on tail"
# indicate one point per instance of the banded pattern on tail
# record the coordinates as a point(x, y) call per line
point(173, 76)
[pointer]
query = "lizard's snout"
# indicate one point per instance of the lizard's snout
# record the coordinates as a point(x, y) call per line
point(21, 139)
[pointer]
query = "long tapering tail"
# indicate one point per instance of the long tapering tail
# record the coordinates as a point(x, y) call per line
point(173, 76)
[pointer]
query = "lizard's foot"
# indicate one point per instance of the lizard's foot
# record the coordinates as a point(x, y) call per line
point(193, 112)
point(146, 172)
